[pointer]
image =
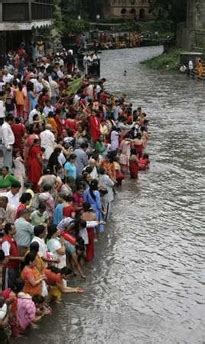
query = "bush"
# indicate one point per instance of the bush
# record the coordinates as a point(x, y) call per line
point(75, 26)
point(169, 61)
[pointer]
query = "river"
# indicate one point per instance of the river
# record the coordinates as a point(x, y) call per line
point(147, 283)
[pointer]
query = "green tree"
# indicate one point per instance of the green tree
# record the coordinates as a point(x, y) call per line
point(174, 10)
point(57, 16)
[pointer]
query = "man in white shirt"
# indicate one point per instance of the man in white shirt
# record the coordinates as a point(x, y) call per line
point(47, 141)
point(54, 89)
point(191, 67)
point(2, 109)
point(60, 72)
point(48, 108)
point(34, 112)
point(38, 86)
point(7, 77)
point(8, 141)
point(39, 235)
point(13, 195)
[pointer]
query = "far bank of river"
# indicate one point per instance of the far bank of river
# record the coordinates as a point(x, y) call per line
point(169, 61)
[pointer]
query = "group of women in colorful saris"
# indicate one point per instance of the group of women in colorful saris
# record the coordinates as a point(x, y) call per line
point(72, 154)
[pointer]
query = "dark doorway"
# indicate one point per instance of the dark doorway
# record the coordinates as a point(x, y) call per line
point(142, 14)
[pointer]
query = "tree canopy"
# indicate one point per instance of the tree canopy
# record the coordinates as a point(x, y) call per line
point(174, 10)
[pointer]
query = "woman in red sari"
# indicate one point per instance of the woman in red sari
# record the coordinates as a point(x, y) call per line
point(35, 164)
point(28, 143)
point(94, 125)
point(133, 164)
point(89, 215)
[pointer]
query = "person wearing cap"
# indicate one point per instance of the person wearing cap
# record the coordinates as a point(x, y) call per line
point(47, 141)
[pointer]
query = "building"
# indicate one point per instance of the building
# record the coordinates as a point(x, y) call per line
point(191, 36)
point(20, 19)
point(138, 9)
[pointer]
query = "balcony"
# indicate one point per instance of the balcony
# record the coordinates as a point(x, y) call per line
point(18, 15)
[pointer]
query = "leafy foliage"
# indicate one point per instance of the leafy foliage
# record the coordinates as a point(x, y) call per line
point(174, 10)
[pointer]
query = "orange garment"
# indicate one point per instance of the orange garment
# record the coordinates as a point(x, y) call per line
point(27, 273)
point(109, 168)
point(53, 124)
point(20, 97)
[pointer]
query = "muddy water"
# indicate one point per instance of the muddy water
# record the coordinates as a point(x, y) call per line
point(147, 283)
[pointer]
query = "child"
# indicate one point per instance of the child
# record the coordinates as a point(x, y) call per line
point(68, 208)
point(133, 164)
point(144, 162)
point(42, 308)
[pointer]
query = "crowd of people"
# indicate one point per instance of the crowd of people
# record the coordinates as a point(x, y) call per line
point(63, 154)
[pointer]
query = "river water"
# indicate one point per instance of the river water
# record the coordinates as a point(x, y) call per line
point(147, 283)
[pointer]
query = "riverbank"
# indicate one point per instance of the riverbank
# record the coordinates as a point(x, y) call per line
point(167, 61)
point(143, 285)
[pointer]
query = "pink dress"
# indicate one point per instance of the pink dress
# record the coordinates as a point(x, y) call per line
point(26, 310)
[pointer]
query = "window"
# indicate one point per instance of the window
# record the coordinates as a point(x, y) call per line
point(15, 12)
point(123, 11)
point(133, 11)
point(142, 14)
point(40, 11)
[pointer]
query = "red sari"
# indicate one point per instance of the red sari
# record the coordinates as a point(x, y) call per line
point(134, 168)
point(34, 165)
point(90, 249)
point(27, 146)
point(94, 128)
point(19, 131)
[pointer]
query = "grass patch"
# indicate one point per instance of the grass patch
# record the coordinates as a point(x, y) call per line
point(169, 61)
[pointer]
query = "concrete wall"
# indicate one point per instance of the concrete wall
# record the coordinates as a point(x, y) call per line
point(191, 35)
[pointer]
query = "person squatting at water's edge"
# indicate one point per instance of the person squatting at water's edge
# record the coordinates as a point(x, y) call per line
point(66, 145)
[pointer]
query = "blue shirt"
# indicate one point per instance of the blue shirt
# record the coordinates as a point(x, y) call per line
point(70, 169)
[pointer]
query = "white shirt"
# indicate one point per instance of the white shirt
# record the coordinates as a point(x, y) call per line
point(191, 65)
point(60, 74)
point(48, 109)
point(31, 114)
point(54, 245)
point(47, 142)
point(42, 246)
point(90, 90)
point(61, 159)
point(7, 135)
point(2, 109)
point(6, 248)
point(7, 78)
point(54, 87)
point(38, 86)
point(13, 199)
